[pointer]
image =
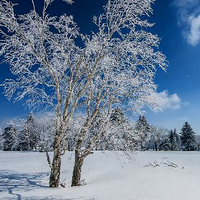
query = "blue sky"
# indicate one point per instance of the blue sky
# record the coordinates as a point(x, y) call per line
point(177, 23)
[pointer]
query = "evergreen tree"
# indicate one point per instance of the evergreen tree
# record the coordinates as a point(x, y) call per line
point(117, 123)
point(174, 140)
point(165, 144)
point(188, 142)
point(142, 129)
point(9, 138)
point(117, 116)
point(197, 142)
point(116, 134)
point(29, 137)
point(45, 129)
point(123, 131)
point(1, 140)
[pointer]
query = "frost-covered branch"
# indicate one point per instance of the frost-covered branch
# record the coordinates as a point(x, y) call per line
point(115, 66)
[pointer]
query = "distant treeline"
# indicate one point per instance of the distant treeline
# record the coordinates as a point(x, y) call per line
point(36, 134)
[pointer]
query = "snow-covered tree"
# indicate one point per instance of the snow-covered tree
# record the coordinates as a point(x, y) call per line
point(9, 136)
point(115, 65)
point(142, 130)
point(158, 136)
point(74, 127)
point(188, 142)
point(46, 126)
point(117, 116)
point(29, 136)
point(174, 139)
point(119, 134)
point(1, 139)
point(115, 133)
point(35, 133)
point(197, 139)
point(48, 66)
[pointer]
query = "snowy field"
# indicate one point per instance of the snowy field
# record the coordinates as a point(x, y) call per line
point(151, 176)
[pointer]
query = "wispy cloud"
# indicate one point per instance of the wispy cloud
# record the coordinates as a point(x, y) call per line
point(183, 119)
point(167, 101)
point(193, 36)
point(185, 3)
point(4, 122)
point(188, 12)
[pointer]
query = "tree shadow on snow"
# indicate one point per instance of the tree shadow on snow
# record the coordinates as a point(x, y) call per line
point(57, 198)
point(13, 182)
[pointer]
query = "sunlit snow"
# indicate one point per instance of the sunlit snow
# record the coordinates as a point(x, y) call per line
point(106, 176)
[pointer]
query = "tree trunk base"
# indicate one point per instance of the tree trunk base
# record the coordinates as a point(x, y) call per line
point(76, 177)
point(54, 180)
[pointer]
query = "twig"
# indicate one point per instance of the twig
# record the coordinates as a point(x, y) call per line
point(48, 159)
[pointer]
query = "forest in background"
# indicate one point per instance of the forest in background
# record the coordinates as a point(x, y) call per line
point(36, 134)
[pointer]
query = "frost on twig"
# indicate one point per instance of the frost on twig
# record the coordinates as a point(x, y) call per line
point(115, 67)
point(158, 164)
point(153, 164)
point(170, 164)
point(69, 1)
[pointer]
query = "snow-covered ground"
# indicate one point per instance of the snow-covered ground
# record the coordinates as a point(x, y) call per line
point(107, 176)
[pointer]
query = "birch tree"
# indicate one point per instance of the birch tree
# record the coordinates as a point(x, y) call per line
point(115, 66)
point(125, 59)
point(47, 66)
